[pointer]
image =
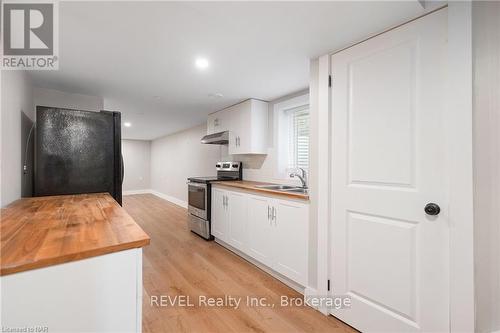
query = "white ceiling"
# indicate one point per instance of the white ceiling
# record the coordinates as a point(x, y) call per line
point(130, 52)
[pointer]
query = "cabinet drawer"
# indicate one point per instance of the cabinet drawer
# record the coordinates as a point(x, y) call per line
point(199, 226)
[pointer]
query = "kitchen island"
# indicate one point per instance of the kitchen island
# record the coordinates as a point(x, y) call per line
point(71, 263)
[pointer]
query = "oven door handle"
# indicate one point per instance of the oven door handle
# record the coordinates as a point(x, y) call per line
point(197, 185)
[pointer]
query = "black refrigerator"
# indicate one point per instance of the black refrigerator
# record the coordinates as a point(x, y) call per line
point(77, 152)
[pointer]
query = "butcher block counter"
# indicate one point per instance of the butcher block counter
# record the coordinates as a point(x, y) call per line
point(71, 263)
point(44, 231)
point(254, 187)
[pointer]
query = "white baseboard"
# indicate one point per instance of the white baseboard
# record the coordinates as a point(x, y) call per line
point(306, 291)
point(311, 292)
point(170, 198)
point(292, 284)
point(132, 192)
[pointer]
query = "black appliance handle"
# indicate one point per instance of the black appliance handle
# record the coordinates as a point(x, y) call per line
point(123, 168)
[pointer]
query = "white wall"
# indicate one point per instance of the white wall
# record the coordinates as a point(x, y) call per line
point(60, 99)
point(17, 97)
point(176, 157)
point(486, 53)
point(137, 163)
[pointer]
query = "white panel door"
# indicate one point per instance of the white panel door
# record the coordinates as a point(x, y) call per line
point(291, 239)
point(388, 152)
point(219, 214)
point(260, 242)
point(237, 226)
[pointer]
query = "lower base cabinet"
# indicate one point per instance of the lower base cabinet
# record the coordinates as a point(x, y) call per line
point(291, 237)
point(218, 225)
point(271, 230)
point(237, 226)
point(260, 230)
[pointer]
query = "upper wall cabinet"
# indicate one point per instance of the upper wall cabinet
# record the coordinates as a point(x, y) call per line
point(247, 123)
point(219, 121)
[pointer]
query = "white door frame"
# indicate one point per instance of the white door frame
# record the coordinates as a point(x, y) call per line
point(459, 148)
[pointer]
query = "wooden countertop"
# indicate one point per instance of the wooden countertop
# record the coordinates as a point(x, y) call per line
point(252, 186)
point(44, 231)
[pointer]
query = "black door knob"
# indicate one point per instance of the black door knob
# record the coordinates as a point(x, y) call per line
point(432, 209)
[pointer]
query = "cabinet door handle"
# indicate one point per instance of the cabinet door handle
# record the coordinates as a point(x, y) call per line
point(274, 215)
point(239, 142)
point(269, 214)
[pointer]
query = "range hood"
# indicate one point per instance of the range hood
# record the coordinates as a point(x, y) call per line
point(221, 138)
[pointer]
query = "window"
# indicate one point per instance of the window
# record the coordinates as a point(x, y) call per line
point(291, 128)
point(298, 137)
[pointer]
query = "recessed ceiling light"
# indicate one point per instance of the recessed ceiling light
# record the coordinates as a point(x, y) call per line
point(201, 63)
point(127, 124)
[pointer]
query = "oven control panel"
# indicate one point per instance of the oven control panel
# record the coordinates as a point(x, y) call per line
point(228, 166)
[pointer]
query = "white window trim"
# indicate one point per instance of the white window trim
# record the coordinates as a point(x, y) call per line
point(280, 133)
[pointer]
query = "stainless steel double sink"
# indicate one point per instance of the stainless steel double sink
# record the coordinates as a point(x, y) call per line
point(285, 188)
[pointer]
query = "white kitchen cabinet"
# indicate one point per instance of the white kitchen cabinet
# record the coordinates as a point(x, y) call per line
point(290, 221)
point(260, 229)
point(237, 223)
point(247, 123)
point(220, 213)
point(271, 230)
point(211, 123)
point(219, 121)
point(249, 127)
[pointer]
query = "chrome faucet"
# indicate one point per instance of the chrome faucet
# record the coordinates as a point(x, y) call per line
point(303, 177)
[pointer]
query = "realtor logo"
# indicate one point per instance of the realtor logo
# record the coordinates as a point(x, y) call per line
point(29, 35)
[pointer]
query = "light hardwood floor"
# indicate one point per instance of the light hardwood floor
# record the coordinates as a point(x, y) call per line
point(177, 262)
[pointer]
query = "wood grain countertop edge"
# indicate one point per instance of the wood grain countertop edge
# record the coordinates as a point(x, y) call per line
point(72, 257)
point(251, 186)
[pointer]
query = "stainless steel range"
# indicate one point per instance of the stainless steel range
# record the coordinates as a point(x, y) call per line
point(199, 196)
